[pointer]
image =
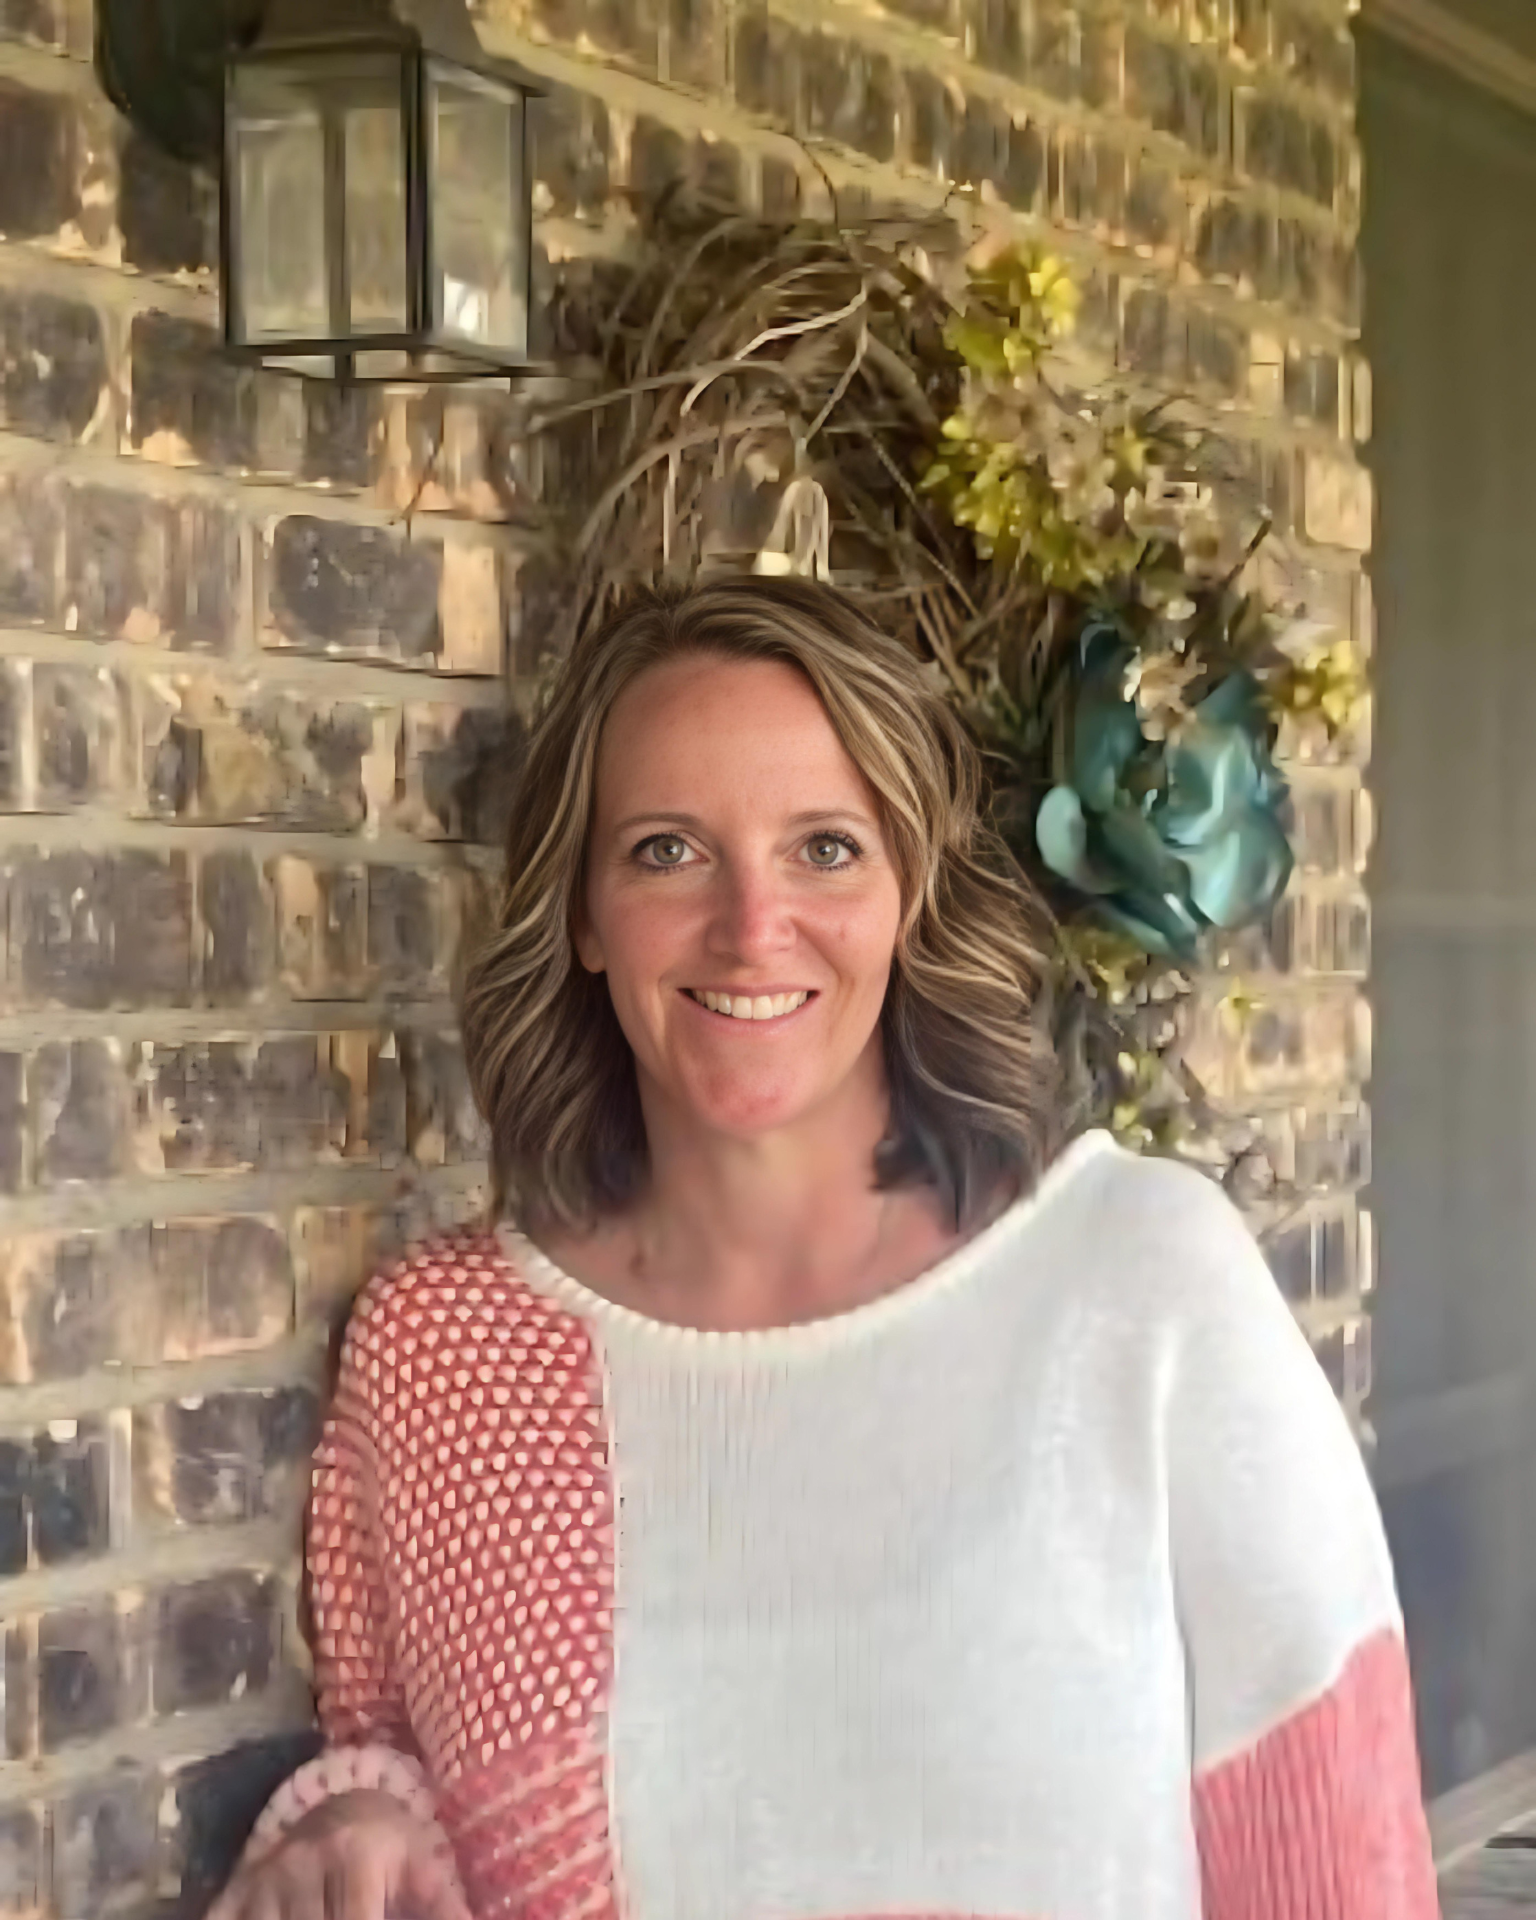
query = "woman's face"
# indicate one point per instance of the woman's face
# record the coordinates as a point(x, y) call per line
point(740, 896)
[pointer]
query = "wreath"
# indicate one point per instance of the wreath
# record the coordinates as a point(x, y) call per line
point(885, 408)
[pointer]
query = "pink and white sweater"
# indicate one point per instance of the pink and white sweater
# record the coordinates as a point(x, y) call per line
point(1048, 1587)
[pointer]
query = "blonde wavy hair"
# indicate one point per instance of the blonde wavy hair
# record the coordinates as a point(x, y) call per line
point(973, 1086)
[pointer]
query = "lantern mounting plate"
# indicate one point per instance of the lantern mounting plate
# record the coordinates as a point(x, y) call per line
point(161, 62)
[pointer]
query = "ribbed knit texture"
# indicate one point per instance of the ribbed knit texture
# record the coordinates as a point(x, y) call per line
point(1049, 1585)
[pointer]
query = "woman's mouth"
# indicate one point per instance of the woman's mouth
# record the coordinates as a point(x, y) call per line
point(749, 1006)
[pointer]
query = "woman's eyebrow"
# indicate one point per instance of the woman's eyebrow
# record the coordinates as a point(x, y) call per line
point(808, 816)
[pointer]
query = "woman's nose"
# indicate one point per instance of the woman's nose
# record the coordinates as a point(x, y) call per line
point(752, 916)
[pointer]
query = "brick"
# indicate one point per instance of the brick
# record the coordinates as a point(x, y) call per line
point(340, 433)
point(849, 96)
point(13, 1123)
point(1148, 332)
point(77, 1095)
point(458, 771)
point(1333, 1150)
point(225, 1104)
point(1233, 243)
point(39, 162)
point(934, 106)
point(53, 368)
point(238, 933)
point(168, 213)
point(571, 141)
point(14, 718)
point(405, 946)
point(101, 930)
point(1056, 50)
point(442, 1122)
point(23, 1870)
point(270, 758)
point(157, 571)
point(996, 36)
point(658, 158)
point(106, 1844)
point(73, 1302)
point(981, 156)
point(1312, 388)
point(227, 1457)
point(1340, 506)
point(768, 65)
point(1094, 177)
point(187, 402)
point(21, 1689)
point(30, 532)
point(322, 928)
point(1103, 62)
point(80, 727)
point(15, 1533)
point(40, 21)
point(216, 1805)
point(335, 588)
point(1317, 52)
point(214, 1640)
point(222, 1285)
point(88, 1678)
point(336, 1249)
point(1216, 354)
point(1154, 204)
point(624, 30)
point(68, 1493)
point(1281, 145)
point(694, 43)
point(1174, 91)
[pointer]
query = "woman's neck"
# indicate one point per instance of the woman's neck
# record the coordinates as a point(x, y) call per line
point(738, 1234)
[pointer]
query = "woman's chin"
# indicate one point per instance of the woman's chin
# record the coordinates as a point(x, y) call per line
point(747, 1108)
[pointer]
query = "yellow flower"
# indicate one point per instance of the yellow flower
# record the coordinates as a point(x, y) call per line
point(1329, 681)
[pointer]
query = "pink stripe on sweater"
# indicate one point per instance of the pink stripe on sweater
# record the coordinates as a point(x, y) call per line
point(1323, 1818)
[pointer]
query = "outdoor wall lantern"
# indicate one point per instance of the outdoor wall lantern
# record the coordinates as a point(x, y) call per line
point(375, 195)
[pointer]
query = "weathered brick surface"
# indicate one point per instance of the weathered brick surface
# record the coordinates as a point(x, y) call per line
point(253, 752)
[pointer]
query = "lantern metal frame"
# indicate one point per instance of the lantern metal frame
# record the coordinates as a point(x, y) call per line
point(159, 59)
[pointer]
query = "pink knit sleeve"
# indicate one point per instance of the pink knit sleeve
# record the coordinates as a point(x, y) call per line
point(1307, 1801)
point(361, 1703)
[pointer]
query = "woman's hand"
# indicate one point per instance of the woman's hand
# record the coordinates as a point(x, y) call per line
point(357, 1856)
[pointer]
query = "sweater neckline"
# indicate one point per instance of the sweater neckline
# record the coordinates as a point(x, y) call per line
point(826, 1330)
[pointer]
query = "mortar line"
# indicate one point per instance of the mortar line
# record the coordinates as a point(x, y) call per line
point(98, 829)
point(264, 496)
point(174, 1558)
point(139, 1200)
point(273, 669)
point(267, 1020)
point(114, 287)
point(285, 1705)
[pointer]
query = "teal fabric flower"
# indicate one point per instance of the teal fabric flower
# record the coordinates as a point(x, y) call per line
point(1167, 837)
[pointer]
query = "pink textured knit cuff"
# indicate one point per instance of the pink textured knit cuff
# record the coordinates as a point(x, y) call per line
point(375, 1769)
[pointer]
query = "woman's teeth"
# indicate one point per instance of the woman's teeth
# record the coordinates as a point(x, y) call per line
point(745, 1006)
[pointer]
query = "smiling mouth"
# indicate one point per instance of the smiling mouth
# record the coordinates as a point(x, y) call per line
point(746, 1006)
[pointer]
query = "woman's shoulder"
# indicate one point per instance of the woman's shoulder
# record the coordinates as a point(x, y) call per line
point(453, 1280)
point(1160, 1237)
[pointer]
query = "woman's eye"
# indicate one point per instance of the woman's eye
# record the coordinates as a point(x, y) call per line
point(666, 850)
point(827, 850)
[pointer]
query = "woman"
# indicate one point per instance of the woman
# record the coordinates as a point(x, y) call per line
point(828, 1500)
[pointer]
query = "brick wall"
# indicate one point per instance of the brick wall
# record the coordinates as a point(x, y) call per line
point(253, 733)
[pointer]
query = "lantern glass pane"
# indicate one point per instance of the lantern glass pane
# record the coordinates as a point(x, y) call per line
point(478, 215)
point(277, 153)
point(375, 216)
